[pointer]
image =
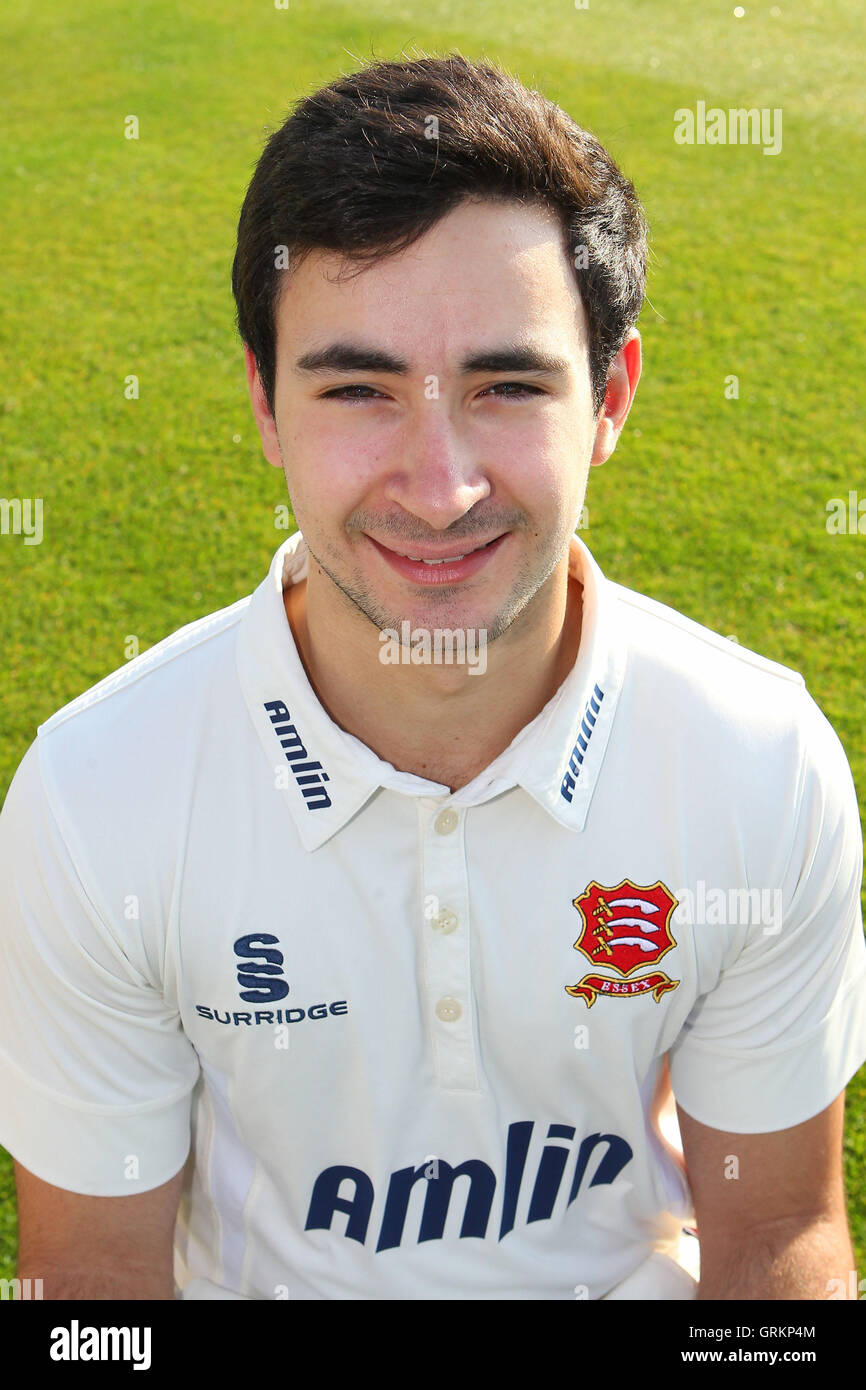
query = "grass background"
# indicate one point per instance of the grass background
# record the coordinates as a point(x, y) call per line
point(116, 259)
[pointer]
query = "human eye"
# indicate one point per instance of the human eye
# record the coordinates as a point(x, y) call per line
point(340, 393)
point(519, 388)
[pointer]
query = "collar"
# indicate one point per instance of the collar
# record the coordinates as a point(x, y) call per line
point(327, 774)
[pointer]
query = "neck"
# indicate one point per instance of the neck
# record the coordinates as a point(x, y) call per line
point(440, 722)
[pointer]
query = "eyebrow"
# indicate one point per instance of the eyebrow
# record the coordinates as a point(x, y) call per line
point(363, 357)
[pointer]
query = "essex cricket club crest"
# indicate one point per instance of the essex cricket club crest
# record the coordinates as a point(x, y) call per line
point(624, 929)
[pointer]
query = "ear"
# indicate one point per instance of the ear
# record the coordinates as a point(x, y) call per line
point(264, 419)
point(622, 379)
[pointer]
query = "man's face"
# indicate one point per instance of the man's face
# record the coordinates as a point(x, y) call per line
point(412, 450)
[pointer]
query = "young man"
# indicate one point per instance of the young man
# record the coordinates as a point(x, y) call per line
point(416, 948)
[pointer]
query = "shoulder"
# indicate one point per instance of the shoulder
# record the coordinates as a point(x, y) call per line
point(682, 649)
point(177, 661)
point(695, 678)
point(120, 737)
point(744, 722)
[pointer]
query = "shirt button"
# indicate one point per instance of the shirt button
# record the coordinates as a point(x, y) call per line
point(448, 1010)
point(445, 822)
point(445, 921)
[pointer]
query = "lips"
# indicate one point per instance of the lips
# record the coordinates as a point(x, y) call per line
point(445, 559)
point(432, 568)
point(438, 557)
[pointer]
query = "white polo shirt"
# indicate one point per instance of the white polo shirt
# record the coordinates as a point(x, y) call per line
point(418, 1038)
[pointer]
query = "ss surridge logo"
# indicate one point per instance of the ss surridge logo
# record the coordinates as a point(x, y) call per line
point(261, 980)
point(625, 929)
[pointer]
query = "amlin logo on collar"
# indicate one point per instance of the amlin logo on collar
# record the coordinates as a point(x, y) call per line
point(309, 775)
point(575, 762)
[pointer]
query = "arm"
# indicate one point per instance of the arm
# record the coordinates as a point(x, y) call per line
point(770, 1208)
point(109, 1072)
point(97, 1247)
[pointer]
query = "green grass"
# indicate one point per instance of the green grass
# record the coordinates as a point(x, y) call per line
point(117, 259)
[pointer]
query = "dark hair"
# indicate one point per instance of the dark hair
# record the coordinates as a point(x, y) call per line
point(353, 169)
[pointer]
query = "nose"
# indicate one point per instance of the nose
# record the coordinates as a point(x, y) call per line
point(439, 478)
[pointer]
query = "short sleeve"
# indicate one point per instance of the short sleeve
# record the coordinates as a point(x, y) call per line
point(784, 1029)
point(96, 1074)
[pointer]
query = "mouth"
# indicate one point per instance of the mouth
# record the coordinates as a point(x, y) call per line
point(431, 568)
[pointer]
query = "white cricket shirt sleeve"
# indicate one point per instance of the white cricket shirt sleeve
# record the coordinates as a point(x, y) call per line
point(783, 1031)
point(96, 1075)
